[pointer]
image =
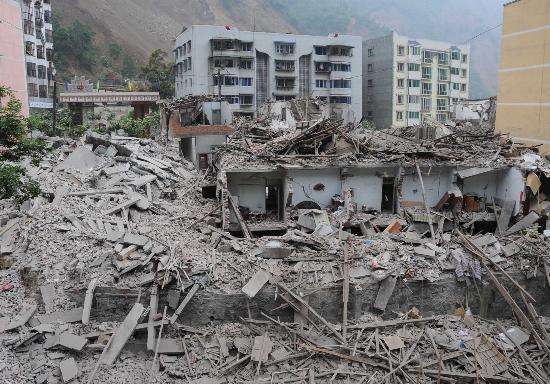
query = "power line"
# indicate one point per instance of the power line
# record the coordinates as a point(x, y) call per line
point(482, 33)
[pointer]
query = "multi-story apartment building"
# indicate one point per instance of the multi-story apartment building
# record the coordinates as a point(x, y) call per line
point(38, 45)
point(250, 68)
point(406, 80)
point(12, 58)
point(523, 105)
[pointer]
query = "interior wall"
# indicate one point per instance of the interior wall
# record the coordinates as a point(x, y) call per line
point(437, 181)
point(303, 181)
point(484, 185)
point(367, 186)
point(511, 186)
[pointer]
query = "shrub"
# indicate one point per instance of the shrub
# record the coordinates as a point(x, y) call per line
point(12, 124)
point(12, 184)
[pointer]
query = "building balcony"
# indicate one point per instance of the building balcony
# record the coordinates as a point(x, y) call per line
point(340, 91)
point(285, 90)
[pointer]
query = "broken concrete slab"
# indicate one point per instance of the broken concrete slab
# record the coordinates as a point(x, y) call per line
point(261, 348)
point(19, 320)
point(88, 299)
point(384, 293)
point(524, 223)
point(122, 335)
point(48, 294)
point(69, 370)
point(135, 239)
point(256, 283)
point(66, 340)
point(424, 252)
point(81, 159)
point(275, 250)
point(68, 316)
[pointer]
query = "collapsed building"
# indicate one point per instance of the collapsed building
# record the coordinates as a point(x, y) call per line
point(300, 249)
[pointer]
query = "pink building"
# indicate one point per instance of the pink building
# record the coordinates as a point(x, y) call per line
point(12, 53)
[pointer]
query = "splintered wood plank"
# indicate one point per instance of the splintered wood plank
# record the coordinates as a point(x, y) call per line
point(184, 303)
point(385, 292)
point(256, 283)
point(261, 349)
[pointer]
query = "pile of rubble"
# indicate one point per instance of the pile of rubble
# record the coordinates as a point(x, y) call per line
point(122, 270)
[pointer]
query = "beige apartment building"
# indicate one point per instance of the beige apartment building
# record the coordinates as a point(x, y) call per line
point(524, 91)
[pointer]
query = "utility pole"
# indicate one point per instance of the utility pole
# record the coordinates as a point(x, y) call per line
point(54, 104)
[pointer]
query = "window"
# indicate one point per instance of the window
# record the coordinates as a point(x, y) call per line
point(456, 86)
point(284, 48)
point(340, 67)
point(232, 99)
point(246, 47)
point(400, 50)
point(49, 36)
point(370, 52)
point(29, 48)
point(370, 67)
point(340, 83)
point(40, 51)
point(400, 99)
point(426, 73)
point(414, 99)
point(28, 27)
point(32, 89)
point(284, 83)
point(340, 99)
point(400, 83)
point(464, 73)
point(442, 89)
point(189, 46)
point(370, 114)
point(414, 115)
point(443, 74)
point(441, 104)
point(455, 71)
point(399, 116)
point(246, 99)
point(42, 72)
point(31, 69)
point(284, 65)
point(370, 83)
point(414, 67)
point(322, 67)
point(340, 51)
point(246, 82)
point(400, 67)
point(455, 55)
point(320, 50)
point(426, 104)
point(464, 58)
point(427, 56)
point(189, 66)
point(322, 84)
point(223, 63)
point(441, 117)
point(245, 64)
point(443, 58)
point(43, 91)
point(463, 87)
point(414, 50)
point(414, 83)
point(231, 81)
point(426, 88)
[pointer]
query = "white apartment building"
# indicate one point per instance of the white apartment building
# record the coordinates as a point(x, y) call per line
point(38, 41)
point(250, 68)
point(406, 80)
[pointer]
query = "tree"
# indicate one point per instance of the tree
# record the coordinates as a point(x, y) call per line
point(12, 123)
point(115, 51)
point(129, 68)
point(158, 72)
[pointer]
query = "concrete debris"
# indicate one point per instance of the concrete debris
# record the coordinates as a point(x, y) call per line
point(276, 263)
point(69, 370)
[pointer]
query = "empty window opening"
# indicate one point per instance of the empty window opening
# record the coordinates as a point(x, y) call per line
point(388, 195)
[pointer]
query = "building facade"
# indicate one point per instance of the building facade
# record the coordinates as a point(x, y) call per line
point(250, 68)
point(38, 48)
point(12, 57)
point(523, 103)
point(406, 80)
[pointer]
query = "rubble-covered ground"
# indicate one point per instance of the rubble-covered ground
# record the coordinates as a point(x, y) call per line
point(129, 213)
